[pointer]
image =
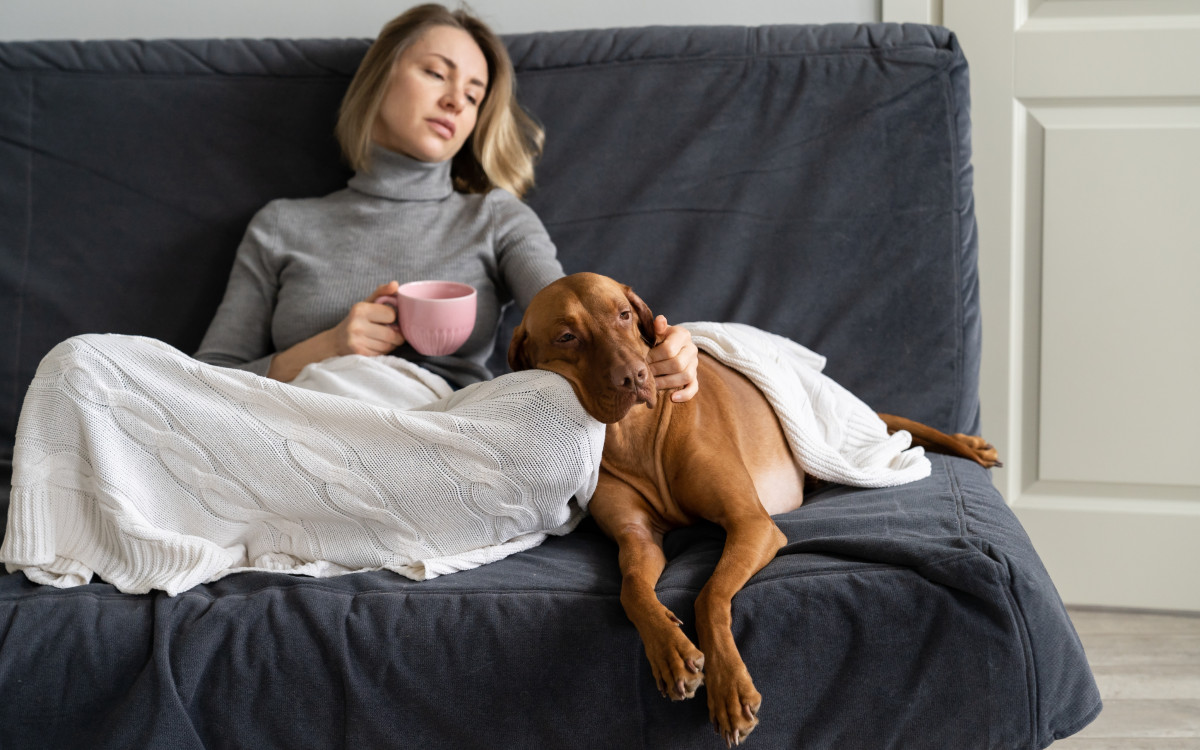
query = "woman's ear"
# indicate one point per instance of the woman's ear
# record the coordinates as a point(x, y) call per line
point(645, 318)
point(518, 358)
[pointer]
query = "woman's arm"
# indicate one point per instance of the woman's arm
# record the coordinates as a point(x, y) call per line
point(528, 261)
point(526, 257)
point(366, 330)
point(240, 334)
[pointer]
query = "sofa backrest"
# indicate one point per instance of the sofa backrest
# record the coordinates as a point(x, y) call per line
point(811, 180)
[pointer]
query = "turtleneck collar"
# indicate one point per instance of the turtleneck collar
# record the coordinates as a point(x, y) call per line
point(401, 178)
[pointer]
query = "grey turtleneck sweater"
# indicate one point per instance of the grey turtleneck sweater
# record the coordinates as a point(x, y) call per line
point(303, 263)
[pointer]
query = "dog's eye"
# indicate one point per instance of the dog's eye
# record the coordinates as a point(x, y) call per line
point(626, 314)
point(566, 338)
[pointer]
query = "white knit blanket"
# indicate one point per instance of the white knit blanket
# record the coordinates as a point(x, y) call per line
point(834, 435)
point(155, 471)
point(136, 462)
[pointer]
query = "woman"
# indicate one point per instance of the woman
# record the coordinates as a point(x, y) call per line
point(441, 151)
point(158, 471)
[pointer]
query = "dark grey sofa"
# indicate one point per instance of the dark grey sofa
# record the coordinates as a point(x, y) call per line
point(813, 181)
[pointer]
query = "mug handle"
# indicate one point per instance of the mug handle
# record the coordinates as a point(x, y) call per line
point(394, 301)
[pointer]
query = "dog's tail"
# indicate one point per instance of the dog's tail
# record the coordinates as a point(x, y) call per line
point(974, 448)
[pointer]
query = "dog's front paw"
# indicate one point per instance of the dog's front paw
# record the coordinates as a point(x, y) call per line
point(677, 664)
point(733, 704)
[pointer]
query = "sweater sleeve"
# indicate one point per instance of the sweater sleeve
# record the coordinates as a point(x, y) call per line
point(526, 257)
point(240, 333)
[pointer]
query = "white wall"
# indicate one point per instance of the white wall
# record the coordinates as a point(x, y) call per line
point(126, 19)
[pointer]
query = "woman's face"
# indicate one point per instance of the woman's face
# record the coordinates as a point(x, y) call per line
point(433, 96)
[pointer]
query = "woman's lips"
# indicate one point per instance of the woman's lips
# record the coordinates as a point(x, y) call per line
point(444, 128)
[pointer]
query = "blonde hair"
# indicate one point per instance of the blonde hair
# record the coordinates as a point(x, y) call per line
point(506, 142)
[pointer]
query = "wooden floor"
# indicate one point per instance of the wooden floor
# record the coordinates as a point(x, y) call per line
point(1148, 668)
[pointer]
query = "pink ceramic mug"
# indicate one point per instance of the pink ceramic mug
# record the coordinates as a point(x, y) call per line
point(436, 317)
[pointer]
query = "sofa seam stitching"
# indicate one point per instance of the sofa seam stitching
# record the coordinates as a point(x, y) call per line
point(24, 277)
point(1018, 616)
point(666, 59)
point(959, 316)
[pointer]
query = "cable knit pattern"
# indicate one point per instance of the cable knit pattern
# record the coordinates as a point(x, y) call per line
point(834, 435)
point(156, 471)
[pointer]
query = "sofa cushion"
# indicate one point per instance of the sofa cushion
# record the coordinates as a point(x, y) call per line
point(915, 616)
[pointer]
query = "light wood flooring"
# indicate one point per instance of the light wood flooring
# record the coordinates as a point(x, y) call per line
point(1147, 666)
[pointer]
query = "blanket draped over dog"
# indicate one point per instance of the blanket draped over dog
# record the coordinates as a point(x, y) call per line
point(835, 435)
point(136, 462)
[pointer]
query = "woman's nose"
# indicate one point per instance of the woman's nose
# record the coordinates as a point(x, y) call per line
point(453, 100)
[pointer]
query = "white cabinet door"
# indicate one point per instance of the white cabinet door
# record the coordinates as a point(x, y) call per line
point(1086, 139)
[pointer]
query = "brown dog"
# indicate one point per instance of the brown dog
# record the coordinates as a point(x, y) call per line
point(721, 457)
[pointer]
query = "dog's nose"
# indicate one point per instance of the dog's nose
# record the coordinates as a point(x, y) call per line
point(629, 376)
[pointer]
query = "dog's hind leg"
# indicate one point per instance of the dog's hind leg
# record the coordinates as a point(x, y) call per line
point(677, 664)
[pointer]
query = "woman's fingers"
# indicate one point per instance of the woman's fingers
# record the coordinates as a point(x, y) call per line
point(675, 360)
point(382, 290)
point(367, 329)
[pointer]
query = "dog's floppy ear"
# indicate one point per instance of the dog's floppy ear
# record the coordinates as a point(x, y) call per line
point(645, 317)
point(518, 359)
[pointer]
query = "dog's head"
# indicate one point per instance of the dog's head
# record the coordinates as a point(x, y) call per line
point(596, 333)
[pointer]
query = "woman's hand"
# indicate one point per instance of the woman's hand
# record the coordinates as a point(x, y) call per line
point(366, 330)
point(673, 362)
